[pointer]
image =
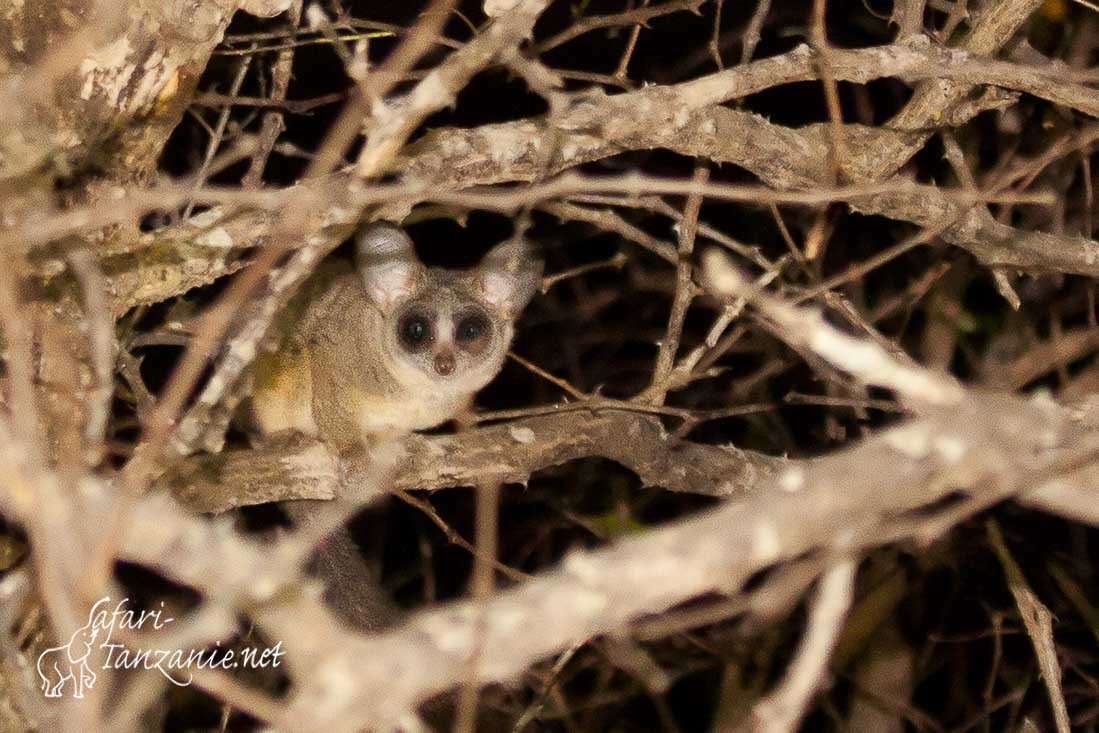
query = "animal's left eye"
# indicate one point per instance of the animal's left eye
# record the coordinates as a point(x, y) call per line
point(471, 328)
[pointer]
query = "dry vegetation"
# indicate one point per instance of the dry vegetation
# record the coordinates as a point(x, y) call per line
point(799, 432)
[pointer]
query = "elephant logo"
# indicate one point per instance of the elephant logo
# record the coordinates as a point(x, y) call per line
point(67, 663)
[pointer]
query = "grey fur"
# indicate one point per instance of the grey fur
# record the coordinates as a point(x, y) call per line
point(345, 369)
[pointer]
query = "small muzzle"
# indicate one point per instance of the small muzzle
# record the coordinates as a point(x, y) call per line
point(444, 363)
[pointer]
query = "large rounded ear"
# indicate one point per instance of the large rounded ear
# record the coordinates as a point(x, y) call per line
point(387, 264)
point(508, 277)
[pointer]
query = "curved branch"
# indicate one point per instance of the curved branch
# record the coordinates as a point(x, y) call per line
point(506, 453)
point(693, 123)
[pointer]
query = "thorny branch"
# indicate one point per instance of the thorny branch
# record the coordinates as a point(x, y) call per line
point(598, 127)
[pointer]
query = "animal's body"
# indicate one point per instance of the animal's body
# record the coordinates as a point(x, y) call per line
point(389, 346)
point(383, 348)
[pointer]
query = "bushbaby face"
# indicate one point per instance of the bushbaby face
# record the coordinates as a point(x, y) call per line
point(446, 339)
point(445, 330)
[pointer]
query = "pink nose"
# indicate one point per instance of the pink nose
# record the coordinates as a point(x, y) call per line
point(444, 363)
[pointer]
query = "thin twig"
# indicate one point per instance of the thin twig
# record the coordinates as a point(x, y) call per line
point(782, 710)
point(1039, 625)
point(684, 294)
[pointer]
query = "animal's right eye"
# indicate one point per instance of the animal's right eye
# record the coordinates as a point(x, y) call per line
point(414, 331)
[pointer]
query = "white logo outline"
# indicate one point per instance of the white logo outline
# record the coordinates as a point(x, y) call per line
point(69, 662)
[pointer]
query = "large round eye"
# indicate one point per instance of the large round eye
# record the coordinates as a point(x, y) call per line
point(471, 328)
point(414, 331)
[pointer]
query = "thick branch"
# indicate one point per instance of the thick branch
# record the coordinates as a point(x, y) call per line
point(64, 92)
point(687, 118)
point(886, 488)
point(881, 490)
point(507, 453)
